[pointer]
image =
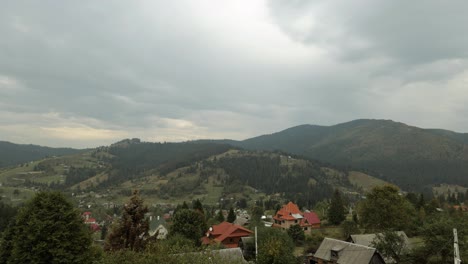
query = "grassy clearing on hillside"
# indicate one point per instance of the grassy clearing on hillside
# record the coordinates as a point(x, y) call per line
point(8, 195)
point(364, 181)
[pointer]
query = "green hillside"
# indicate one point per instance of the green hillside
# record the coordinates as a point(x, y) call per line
point(13, 154)
point(408, 156)
point(174, 172)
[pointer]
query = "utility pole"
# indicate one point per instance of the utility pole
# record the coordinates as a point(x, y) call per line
point(256, 246)
point(456, 251)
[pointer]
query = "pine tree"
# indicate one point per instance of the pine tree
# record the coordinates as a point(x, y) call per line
point(231, 216)
point(336, 212)
point(220, 216)
point(197, 205)
point(48, 229)
point(131, 231)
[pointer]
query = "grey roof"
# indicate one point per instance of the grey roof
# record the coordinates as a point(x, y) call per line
point(367, 239)
point(347, 252)
point(230, 254)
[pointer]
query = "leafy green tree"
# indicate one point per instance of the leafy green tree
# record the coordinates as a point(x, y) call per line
point(392, 246)
point(437, 234)
point(321, 208)
point(188, 223)
point(131, 231)
point(48, 229)
point(231, 216)
point(350, 228)
point(275, 247)
point(336, 212)
point(296, 233)
point(385, 209)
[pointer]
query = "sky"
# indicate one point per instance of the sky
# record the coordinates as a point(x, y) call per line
point(89, 73)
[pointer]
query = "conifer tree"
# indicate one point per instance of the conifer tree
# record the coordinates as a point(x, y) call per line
point(336, 212)
point(131, 231)
point(197, 205)
point(231, 216)
point(48, 229)
point(220, 216)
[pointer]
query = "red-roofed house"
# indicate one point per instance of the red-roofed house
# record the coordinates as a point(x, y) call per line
point(290, 215)
point(90, 221)
point(313, 219)
point(226, 233)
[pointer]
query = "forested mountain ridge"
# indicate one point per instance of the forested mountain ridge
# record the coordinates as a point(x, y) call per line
point(406, 155)
point(175, 171)
point(12, 154)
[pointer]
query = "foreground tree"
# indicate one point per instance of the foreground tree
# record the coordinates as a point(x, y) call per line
point(437, 234)
point(275, 247)
point(48, 229)
point(384, 209)
point(189, 224)
point(336, 211)
point(131, 231)
point(296, 233)
point(392, 246)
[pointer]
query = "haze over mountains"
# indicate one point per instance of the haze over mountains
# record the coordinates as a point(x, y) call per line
point(408, 156)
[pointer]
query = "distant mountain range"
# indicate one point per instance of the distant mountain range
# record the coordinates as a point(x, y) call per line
point(408, 156)
point(12, 154)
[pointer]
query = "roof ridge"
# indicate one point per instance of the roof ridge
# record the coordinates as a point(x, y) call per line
point(349, 243)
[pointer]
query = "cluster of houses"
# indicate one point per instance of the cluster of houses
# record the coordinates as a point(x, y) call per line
point(234, 236)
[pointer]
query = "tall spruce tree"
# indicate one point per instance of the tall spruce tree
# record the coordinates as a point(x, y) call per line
point(48, 229)
point(131, 231)
point(220, 216)
point(231, 216)
point(336, 212)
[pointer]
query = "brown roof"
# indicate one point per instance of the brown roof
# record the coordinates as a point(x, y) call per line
point(225, 230)
point(285, 213)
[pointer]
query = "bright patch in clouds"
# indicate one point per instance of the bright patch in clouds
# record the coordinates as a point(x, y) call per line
point(83, 133)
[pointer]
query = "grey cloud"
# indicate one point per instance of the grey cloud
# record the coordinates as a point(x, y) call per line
point(176, 70)
point(407, 31)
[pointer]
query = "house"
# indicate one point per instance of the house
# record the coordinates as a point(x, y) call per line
point(290, 215)
point(313, 219)
point(333, 251)
point(160, 232)
point(369, 239)
point(90, 221)
point(462, 208)
point(158, 227)
point(227, 234)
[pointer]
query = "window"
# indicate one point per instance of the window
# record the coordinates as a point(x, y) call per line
point(334, 254)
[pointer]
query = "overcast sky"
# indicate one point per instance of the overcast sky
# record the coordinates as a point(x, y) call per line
point(89, 73)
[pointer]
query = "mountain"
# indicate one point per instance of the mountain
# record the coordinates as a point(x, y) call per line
point(13, 154)
point(174, 172)
point(406, 155)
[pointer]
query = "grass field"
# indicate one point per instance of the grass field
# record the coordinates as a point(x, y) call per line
point(365, 181)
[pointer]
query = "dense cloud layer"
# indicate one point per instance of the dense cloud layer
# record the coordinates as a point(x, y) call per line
point(89, 73)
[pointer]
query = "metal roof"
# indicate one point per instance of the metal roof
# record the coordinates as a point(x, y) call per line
point(348, 252)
